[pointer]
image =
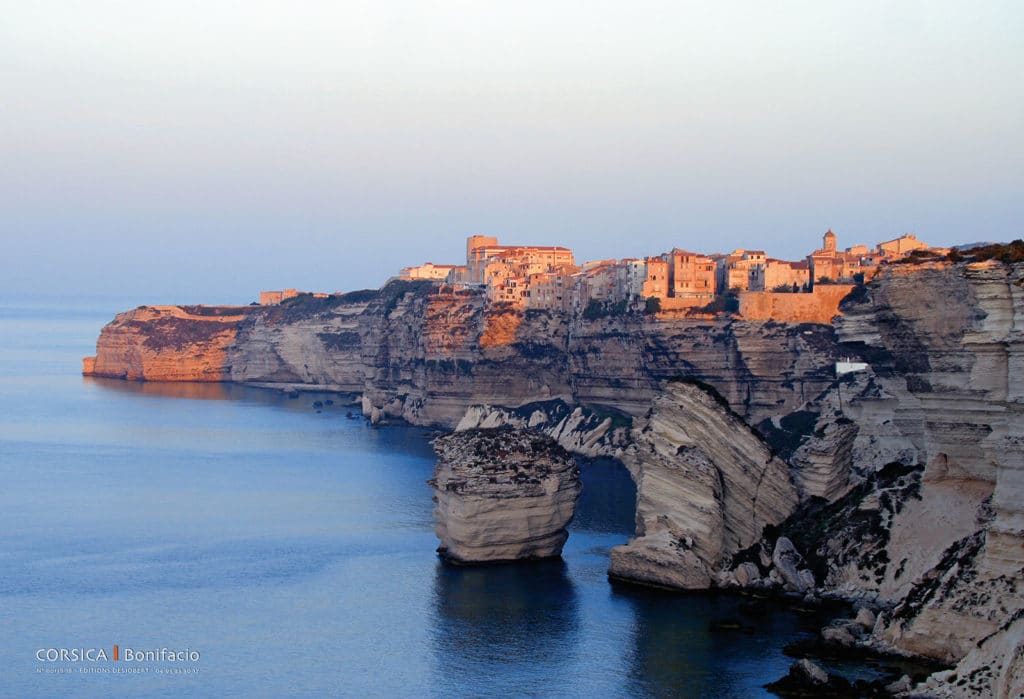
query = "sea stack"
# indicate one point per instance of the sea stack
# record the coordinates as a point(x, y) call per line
point(502, 495)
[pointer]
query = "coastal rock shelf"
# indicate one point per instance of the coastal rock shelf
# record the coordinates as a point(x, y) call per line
point(502, 495)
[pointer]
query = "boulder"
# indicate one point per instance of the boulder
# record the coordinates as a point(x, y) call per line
point(746, 574)
point(808, 671)
point(805, 679)
point(866, 618)
point(903, 684)
point(839, 635)
point(787, 561)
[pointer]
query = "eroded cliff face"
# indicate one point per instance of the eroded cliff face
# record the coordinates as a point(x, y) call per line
point(945, 392)
point(424, 355)
point(941, 546)
point(762, 368)
point(314, 342)
point(707, 485)
point(502, 357)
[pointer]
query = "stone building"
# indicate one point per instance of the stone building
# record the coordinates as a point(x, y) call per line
point(900, 247)
point(427, 270)
point(656, 281)
point(828, 263)
point(690, 276)
point(596, 281)
point(639, 279)
point(482, 251)
point(273, 298)
point(779, 272)
point(551, 291)
point(740, 269)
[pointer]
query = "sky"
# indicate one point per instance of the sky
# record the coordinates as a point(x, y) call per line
point(202, 151)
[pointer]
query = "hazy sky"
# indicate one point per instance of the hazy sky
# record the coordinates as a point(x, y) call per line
point(201, 151)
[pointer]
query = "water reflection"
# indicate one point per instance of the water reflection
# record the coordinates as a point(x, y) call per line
point(707, 644)
point(197, 390)
point(164, 389)
point(522, 615)
point(671, 648)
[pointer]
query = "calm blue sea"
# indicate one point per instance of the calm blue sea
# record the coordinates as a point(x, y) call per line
point(294, 551)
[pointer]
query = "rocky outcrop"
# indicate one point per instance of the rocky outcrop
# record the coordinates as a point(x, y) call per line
point(789, 564)
point(707, 485)
point(167, 343)
point(305, 342)
point(823, 465)
point(502, 495)
point(954, 605)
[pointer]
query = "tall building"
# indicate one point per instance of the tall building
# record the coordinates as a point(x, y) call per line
point(829, 241)
point(741, 269)
point(690, 275)
point(828, 263)
point(482, 251)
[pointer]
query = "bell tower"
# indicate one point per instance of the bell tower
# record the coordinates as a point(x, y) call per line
point(830, 241)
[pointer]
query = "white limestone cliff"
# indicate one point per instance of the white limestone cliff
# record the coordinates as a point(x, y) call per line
point(706, 487)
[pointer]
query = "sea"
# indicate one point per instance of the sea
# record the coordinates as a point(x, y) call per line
point(235, 542)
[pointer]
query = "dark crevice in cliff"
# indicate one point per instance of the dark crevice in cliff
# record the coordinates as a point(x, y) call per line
point(792, 431)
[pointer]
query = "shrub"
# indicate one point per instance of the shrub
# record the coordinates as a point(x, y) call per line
point(1004, 252)
point(728, 302)
point(594, 310)
point(598, 309)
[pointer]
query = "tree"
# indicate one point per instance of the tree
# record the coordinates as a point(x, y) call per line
point(594, 310)
point(729, 302)
point(619, 308)
point(824, 280)
point(652, 305)
point(784, 289)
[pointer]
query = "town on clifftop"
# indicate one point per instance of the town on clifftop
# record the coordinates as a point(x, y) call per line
point(748, 282)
